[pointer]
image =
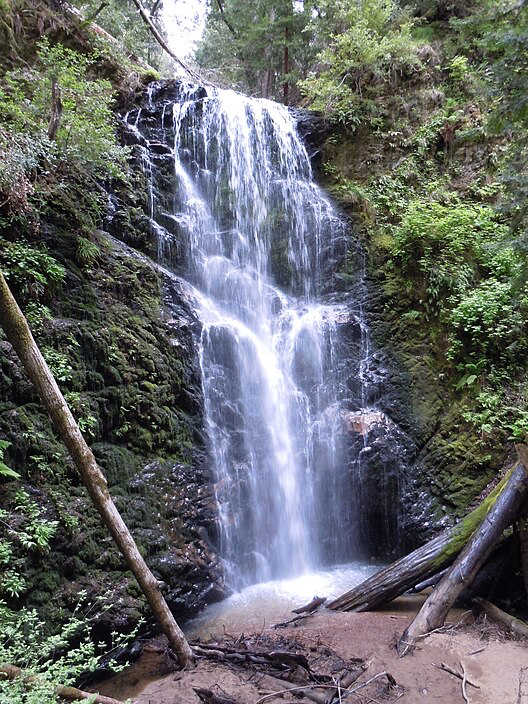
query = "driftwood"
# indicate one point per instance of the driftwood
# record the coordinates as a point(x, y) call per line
point(426, 561)
point(507, 621)
point(302, 612)
point(276, 658)
point(70, 694)
point(504, 511)
point(309, 692)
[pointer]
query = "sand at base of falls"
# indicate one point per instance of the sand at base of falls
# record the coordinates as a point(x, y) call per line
point(497, 668)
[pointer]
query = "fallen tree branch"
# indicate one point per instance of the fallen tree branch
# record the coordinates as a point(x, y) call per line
point(507, 621)
point(70, 694)
point(504, 511)
point(464, 682)
point(342, 691)
point(451, 671)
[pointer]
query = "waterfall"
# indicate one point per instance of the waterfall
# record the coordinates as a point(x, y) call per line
point(234, 210)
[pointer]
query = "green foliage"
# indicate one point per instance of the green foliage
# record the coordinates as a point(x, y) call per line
point(458, 68)
point(443, 246)
point(37, 315)
point(24, 530)
point(48, 659)
point(487, 324)
point(32, 270)
point(36, 169)
point(495, 415)
point(368, 44)
point(59, 364)
point(120, 19)
point(87, 251)
point(5, 471)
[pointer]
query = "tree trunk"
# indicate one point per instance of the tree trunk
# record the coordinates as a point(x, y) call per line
point(508, 622)
point(394, 580)
point(70, 694)
point(504, 511)
point(19, 335)
point(286, 67)
point(56, 109)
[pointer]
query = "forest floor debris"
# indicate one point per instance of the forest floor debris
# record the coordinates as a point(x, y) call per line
point(339, 651)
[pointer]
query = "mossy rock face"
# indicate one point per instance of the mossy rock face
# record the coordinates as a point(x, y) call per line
point(122, 338)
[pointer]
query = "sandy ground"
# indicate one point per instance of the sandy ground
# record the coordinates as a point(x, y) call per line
point(499, 666)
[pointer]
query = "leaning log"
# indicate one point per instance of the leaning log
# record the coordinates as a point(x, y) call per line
point(426, 561)
point(504, 511)
point(507, 621)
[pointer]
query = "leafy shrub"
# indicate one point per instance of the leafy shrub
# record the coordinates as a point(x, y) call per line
point(59, 364)
point(84, 149)
point(443, 246)
point(23, 528)
point(495, 414)
point(458, 68)
point(488, 325)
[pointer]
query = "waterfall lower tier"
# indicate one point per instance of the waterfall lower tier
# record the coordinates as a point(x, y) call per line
point(276, 282)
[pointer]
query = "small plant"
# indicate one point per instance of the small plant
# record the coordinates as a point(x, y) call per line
point(48, 661)
point(37, 314)
point(31, 269)
point(458, 68)
point(5, 471)
point(87, 251)
point(58, 364)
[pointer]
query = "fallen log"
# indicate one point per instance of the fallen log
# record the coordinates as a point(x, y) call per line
point(504, 511)
point(426, 561)
point(507, 621)
point(70, 694)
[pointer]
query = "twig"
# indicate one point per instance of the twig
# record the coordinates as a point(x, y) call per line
point(446, 668)
point(344, 692)
point(474, 652)
point(464, 681)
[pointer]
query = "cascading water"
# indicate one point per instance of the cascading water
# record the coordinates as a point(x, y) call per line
point(234, 209)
